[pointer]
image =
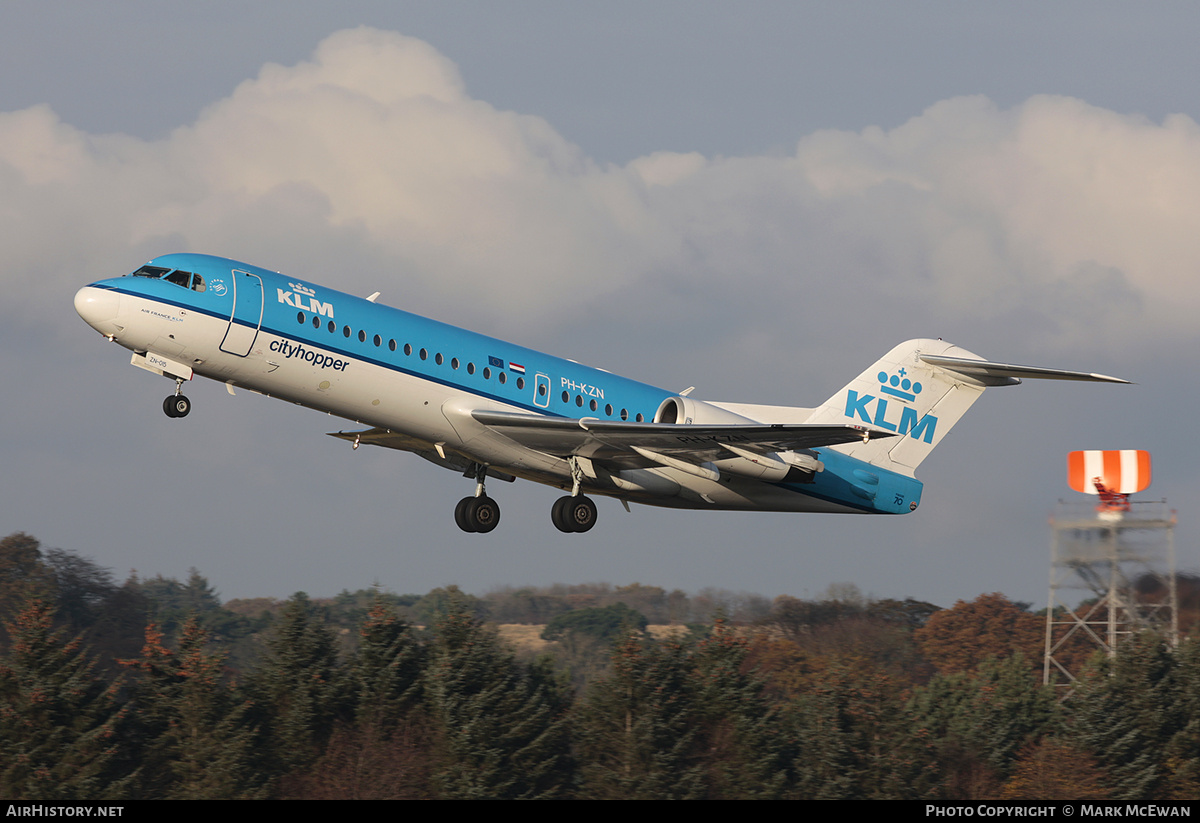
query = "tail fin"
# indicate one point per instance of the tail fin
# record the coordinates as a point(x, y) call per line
point(919, 390)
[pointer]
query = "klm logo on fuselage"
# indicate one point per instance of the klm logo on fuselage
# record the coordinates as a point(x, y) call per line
point(906, 391)
point(304, 298)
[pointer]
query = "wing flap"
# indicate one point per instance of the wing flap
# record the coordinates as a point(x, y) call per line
point(445, 458)
point(606, 439)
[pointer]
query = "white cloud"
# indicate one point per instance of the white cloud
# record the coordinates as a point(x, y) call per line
point(1067, 222)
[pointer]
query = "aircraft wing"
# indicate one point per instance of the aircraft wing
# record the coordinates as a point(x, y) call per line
point(624, 441)
point(422, 448)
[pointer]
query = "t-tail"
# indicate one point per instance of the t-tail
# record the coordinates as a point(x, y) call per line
point(918, 391)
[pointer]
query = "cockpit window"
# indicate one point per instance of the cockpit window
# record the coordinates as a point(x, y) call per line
point(180, 278)
point(198, 283)
point(151, 271)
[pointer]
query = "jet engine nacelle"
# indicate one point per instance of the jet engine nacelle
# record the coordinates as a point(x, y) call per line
point(771, 467)
point(685, 411)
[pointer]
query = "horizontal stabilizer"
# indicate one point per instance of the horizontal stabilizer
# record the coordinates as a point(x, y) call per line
point(1007, 373)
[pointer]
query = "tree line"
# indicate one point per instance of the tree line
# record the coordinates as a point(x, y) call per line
point(840, 697)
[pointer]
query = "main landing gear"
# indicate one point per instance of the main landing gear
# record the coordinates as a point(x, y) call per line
point(177, 405)
point(479, 513)
point(573, 513)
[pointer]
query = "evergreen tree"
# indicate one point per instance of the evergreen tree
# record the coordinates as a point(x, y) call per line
point(1182, 755)
point(380, 747)
point(854, 740)
point(1126, 712)
point(502, 726)
point(741, 740)
point(198, 743)
point(60, 725)
point(637, 729)
point(383, 680)
point(294, 689)
point(23, 572)
point(982, 718)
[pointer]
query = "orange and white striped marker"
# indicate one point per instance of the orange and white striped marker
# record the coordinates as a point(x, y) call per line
point(1124, 472)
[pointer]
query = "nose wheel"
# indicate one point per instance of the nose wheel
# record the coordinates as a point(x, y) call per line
point(177, 406)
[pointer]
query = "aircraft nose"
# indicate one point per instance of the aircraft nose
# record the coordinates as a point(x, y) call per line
point(98, 307)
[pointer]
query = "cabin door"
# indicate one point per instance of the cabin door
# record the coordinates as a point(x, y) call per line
point(247, 314)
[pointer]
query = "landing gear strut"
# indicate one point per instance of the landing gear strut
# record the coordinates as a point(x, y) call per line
point(177, 405)
point(479, 513)
point(573, 513)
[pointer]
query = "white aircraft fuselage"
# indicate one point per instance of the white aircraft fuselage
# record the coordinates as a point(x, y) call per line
point(489, 408)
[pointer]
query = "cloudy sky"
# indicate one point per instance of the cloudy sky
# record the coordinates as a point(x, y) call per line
point(757, 199)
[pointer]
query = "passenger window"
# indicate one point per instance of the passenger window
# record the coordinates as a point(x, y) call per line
point(316, 322)
point(300, 317)
point(362, 336)
point(437, 358)
point(502, 377)
point(520, 382)
point(332, 327)
point(470, 368)
point(378, 341)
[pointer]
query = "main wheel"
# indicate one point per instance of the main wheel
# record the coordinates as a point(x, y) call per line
point(573, 514)
point(460, 514)
point(581, 513)
point(483, 514)
point(558, 514)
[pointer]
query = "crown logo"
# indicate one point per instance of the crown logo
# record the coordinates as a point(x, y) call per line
point(898, 385)
point(300, 288)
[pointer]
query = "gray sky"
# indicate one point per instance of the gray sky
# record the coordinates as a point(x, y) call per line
point(756, 199)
